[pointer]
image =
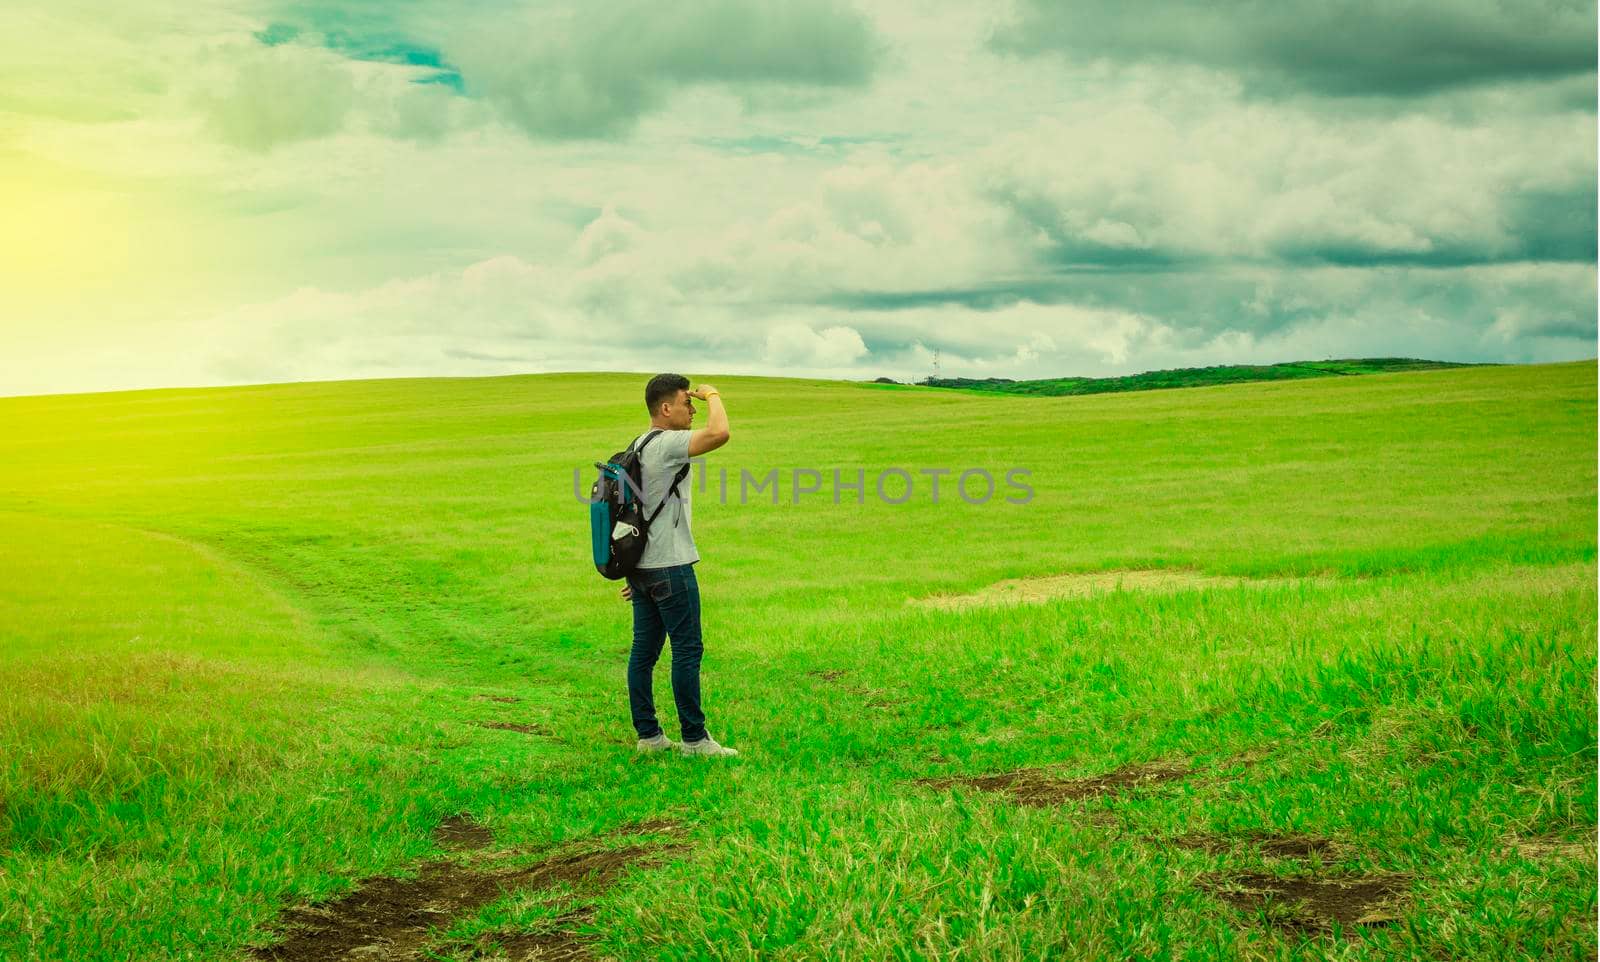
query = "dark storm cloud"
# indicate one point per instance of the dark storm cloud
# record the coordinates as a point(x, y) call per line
point(595, 73)
point(1485, 306)
point(590, 71)
point(1334, 47)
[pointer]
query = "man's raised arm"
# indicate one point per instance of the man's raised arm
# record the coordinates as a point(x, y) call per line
point(715, 434)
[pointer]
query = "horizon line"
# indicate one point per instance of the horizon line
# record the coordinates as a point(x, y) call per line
point(768, 377)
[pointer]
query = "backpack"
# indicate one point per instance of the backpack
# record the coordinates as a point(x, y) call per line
point(618, 528)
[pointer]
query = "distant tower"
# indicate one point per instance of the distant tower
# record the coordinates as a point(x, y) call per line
point(936, 364)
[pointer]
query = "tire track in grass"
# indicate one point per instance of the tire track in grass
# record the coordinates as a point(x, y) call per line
point(1039, 788)
point(1334, 903)
point(389, 919)
point(1311, 902)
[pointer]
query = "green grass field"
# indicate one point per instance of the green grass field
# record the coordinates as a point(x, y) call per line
point(252, 636)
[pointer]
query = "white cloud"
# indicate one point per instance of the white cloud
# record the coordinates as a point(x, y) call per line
point(797, 345)
point(265, 96)
point(1223, 179)
point(606, 235)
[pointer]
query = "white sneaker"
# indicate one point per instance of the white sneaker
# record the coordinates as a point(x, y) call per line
point(707, 746)
point(660, 743)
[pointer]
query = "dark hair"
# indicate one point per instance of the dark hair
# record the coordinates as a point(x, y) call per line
point(663, 387)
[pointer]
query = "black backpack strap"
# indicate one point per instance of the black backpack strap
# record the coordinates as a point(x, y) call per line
point(683, 472)
point(646, 439)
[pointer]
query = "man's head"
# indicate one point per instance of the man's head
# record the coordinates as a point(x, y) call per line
point(667, 397)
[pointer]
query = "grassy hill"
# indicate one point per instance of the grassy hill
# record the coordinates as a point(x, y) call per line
point(1315, 636)
point(1194, 376)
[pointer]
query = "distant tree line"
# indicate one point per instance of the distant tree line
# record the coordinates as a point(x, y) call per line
point(1191, 376)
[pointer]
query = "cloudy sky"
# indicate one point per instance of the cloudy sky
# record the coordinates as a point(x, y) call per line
point(242, 192)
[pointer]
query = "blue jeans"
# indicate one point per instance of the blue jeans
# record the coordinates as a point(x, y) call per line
point(666, 601)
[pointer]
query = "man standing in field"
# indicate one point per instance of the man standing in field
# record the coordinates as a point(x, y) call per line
point(663, 589)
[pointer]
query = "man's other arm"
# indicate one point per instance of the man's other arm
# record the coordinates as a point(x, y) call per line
point(715, 434)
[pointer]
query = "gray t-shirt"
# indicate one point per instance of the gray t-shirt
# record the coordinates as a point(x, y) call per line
point(670, 542)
